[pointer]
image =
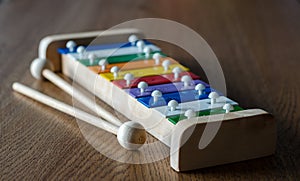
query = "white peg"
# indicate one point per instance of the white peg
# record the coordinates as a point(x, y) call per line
point(166, 64)
point(156, 94)
point(142, 86)
point(190, 113)
point(147, 51)
point(140, 44)
point(200, 88)
point(213, 97)
point(157, 57)
point(186, 81)
point(115, 71)
point(80, 51)
point(131, 135)
point(176, 71)
point(172, 104)
point(227, 107)
point(128, 77)
point(71, 46)
point(92, 58)
point(132, 39)
point(103, 63)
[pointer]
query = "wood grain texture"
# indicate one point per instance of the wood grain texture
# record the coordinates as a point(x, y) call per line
point(257, 43)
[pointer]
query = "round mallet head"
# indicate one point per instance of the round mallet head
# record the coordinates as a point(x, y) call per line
point(131, 135)
point(37, 66)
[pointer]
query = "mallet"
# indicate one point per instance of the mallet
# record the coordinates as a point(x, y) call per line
point(131, 135)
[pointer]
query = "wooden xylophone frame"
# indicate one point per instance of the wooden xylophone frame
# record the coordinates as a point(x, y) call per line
point(243, 135)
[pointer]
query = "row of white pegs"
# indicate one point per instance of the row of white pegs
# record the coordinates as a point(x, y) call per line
point(191, 113)
point(156, 95)
point(133, 39)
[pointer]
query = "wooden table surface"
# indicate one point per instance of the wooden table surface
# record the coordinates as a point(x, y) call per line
point(257, 43)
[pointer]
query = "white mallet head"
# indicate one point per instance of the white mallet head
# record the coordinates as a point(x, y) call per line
point(38, 65)
point(131, 135)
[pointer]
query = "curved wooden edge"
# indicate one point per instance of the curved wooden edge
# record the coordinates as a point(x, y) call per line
point(48, 46)
point(242, 135)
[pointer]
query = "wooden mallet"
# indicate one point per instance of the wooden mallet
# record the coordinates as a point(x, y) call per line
point(131, 135)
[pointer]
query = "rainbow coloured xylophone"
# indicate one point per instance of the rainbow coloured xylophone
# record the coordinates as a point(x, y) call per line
point(138, 80)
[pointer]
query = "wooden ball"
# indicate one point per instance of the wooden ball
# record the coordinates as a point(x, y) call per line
point(131, 135)
point(36, 67)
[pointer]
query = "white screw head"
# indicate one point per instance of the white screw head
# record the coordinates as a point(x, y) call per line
point(103, 63)
point(199, 87)
point(142, 86)
point(115, 70)
point(213, 96)
point(157, 57)
point(156, 94)
point(128, 77)
point(92, 58)
point(166, 64)
point(176, 71)
point(190, 113)
point(71, 45)
point(147, 51)
point(172, 104)
point(186, 80)
point(80, 49)
point(140, 44)
point(228, 107)
point(132, 39)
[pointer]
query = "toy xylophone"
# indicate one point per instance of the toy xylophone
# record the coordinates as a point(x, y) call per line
point(136, 78)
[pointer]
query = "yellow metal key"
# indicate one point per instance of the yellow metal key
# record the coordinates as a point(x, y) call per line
point(144, 72)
